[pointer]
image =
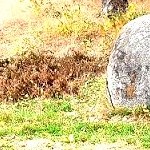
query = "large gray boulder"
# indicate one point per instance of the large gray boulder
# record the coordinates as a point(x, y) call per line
point(113, 7)
point(128, 71)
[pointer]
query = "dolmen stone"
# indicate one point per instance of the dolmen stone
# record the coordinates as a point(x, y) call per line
point(128, 70)
point(113, 7)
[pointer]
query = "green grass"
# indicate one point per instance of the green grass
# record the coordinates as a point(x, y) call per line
point(59, 118)
point(88, 116)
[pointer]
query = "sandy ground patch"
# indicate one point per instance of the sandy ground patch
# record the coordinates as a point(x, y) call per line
point(14, 9)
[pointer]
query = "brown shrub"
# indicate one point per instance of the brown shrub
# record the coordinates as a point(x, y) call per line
point(34, 75)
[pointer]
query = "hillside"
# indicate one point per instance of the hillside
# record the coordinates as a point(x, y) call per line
point(53, 59)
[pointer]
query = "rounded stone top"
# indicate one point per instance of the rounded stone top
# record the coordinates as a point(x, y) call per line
point(128, 71)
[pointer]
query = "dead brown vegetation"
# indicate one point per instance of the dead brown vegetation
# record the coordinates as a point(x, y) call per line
point(79, 33)
point(39, 74)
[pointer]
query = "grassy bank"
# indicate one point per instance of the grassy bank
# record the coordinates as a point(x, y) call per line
point(85, 118)
point(53, 77)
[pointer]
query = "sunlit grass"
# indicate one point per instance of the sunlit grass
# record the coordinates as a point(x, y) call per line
point(59, 118)
point(53, 122)
point(89, 115)
point(75, 21)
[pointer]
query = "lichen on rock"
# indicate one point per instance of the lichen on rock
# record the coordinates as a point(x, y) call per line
point(113, 7)
point(128, 71)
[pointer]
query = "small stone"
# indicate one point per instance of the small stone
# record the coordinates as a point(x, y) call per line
point(71, 138)
point(58, 146)
point(37, 144)
point(116, 119)
point(93, 119)
point(112, 7)
point(126, 119)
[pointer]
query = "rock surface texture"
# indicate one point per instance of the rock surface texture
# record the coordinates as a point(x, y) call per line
point(128, 71)
point(112, 7)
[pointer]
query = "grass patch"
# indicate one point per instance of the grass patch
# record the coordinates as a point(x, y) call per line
point(63, 30)
point(59, 118)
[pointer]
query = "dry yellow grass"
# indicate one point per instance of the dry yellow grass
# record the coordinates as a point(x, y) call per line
point(63, 28)
point(66, 25)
